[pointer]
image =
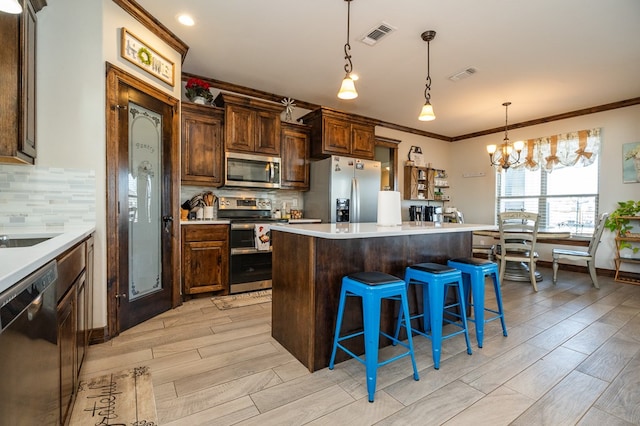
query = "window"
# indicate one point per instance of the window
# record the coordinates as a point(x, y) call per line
point(565, 198)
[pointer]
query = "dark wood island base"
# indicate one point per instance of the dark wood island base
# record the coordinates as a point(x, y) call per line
point(307, 273)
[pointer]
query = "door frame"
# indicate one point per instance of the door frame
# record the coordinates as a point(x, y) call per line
point(116, 77)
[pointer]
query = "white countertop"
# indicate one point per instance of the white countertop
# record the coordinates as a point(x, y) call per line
point(372, 230)
point(18, 262)
point(226, 222)
point(205, 222)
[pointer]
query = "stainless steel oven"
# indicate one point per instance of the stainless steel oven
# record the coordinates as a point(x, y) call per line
point(250, 262)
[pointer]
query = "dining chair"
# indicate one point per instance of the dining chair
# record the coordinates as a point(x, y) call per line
point(518, 235)
point(588, 256)
point(487, 250)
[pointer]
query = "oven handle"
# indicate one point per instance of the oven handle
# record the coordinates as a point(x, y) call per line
point(239, 251)
point(242, 226)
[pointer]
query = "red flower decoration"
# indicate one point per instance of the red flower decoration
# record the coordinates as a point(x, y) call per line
point(196, 87)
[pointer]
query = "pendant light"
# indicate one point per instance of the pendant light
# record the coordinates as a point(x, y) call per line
point(505, 157)
point(10, 6)
point(348, 88)
point(427, 110)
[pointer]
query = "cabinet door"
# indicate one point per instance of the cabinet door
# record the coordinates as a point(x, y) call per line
point(202, 146)
point(67, 347)
point(203, 266)
point(81, 321)
point(362, 141)
point(239, 128)
point(336, 137)
point(267, 133)
point(295, 164)
point(89, 285)
point(28, 139)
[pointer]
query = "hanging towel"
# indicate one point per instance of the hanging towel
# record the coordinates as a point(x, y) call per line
point(263, 236)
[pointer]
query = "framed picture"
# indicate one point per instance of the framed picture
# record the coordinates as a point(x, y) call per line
point(139, 53)
point(631, 162)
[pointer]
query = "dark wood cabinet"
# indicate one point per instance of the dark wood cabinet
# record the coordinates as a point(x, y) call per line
point(337, 133)
point(251, 125)
point(74, 291)
point(202, 145)
point(67, 312)
point(205, 259)
point(295, 157)
point(363, 140)
point(18, 84)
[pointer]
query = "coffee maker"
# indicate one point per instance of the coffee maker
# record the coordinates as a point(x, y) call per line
point(342, 210)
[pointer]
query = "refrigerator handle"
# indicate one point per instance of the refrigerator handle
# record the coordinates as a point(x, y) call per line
point(355, 201)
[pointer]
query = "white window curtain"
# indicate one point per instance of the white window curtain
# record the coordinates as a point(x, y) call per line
point(574, 149)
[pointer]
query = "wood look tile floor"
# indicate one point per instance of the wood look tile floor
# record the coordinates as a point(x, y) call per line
point(572, 357)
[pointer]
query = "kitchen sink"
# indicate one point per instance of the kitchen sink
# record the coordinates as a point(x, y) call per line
point(13, 242)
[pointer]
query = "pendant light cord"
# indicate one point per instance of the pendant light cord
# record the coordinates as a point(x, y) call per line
point(427, 89)
point(348, 67)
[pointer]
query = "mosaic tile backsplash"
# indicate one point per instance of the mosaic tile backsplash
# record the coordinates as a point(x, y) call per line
point(40, 196)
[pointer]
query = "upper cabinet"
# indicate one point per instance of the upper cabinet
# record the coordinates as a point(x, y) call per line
point(18, 84)
point(251, 125)
point(295, 157)
point(338, 133)
point(202, 145)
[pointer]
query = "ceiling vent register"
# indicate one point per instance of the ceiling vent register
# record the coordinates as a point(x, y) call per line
point(375, 34)
point(467, 72)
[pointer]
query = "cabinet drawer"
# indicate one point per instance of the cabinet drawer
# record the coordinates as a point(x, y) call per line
point(70, 265)
point(205, 232)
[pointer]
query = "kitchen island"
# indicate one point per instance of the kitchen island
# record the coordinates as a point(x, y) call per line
point(309, 261)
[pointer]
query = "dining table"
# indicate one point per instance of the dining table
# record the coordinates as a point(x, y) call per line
point(519, 271)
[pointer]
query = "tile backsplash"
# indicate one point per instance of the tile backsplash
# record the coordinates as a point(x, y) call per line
point(40, 196)
point(292, 199)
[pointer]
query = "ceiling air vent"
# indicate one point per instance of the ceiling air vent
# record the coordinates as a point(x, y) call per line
point(467, 72)
point(375, 34)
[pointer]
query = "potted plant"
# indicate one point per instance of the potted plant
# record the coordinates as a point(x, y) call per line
point(616, 221)
point(198, 91)
point(619, 222)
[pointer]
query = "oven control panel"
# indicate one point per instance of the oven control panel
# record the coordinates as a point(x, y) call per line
point(239, 203)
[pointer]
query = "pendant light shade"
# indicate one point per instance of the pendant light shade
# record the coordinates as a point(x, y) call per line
point(348, 88)
point(10, 6)
point(427, 114)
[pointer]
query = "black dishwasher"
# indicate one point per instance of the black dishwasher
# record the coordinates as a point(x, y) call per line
point(29, 365)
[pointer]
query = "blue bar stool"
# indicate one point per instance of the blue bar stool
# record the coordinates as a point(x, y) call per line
point(435, 278)
point(372, 287)
point(474, 272)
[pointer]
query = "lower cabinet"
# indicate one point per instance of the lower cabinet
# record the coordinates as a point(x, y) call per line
point(75, 300)
point(205, 259)
point(67, 310)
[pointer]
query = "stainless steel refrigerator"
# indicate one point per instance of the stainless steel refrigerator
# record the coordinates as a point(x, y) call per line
point(343, 189)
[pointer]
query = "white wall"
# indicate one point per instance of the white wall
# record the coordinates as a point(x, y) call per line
point(436, 152)
point(75, 40)
point(476, 196)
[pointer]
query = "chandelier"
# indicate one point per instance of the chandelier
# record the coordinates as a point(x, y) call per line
point(348, 88)
point(427, 114)
point(504, 155)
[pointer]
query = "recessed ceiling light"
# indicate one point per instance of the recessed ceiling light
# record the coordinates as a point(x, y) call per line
point(186, 20)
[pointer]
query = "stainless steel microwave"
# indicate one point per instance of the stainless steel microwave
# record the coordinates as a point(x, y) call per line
point(252, 171)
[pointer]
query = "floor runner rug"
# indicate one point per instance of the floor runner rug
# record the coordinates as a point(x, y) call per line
point(242, 299)
point(122, 398)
